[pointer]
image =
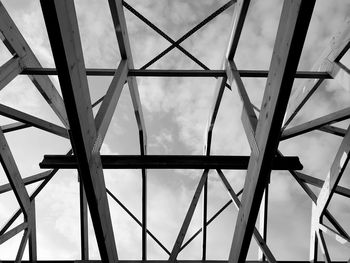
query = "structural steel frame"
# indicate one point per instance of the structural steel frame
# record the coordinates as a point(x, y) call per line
point(264, 130)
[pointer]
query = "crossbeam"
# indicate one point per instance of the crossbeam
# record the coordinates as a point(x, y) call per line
point(169, 162)
point(193, 73)
point(316, 123)
point(36, 122)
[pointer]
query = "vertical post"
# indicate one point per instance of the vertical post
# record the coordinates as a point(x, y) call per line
point(263, 221)
point(313, 236)
point(144, 215)
point(204, 220)
point(32, 235)
point(84, 235)
point(143, 151)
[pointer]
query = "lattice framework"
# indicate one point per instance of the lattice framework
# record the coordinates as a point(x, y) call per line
point(264, 130)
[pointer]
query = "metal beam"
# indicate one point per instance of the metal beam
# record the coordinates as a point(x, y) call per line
point(204, 219)
point(290, 39)
point(338, 46)
point(192, 73)
point(170, 162)
point(17, 45)
point(62, 26)
point(33, 121)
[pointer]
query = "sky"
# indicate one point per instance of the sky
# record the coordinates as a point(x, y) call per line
point(176, 112)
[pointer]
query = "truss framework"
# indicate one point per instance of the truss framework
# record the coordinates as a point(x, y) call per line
point(86, 133)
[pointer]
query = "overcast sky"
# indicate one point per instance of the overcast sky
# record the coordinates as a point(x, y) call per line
point(176, 112)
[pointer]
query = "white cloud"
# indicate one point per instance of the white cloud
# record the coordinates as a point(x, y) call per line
point(176, 112)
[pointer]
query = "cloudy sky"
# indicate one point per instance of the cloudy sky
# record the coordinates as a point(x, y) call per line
point(176, 112)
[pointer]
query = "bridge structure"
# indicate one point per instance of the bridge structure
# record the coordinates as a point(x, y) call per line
point(265, 127)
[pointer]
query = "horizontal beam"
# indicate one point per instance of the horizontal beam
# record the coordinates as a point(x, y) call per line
point(170, 162)
point(244, 73)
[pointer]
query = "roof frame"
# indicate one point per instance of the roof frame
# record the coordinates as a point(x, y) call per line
point(261, 134)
